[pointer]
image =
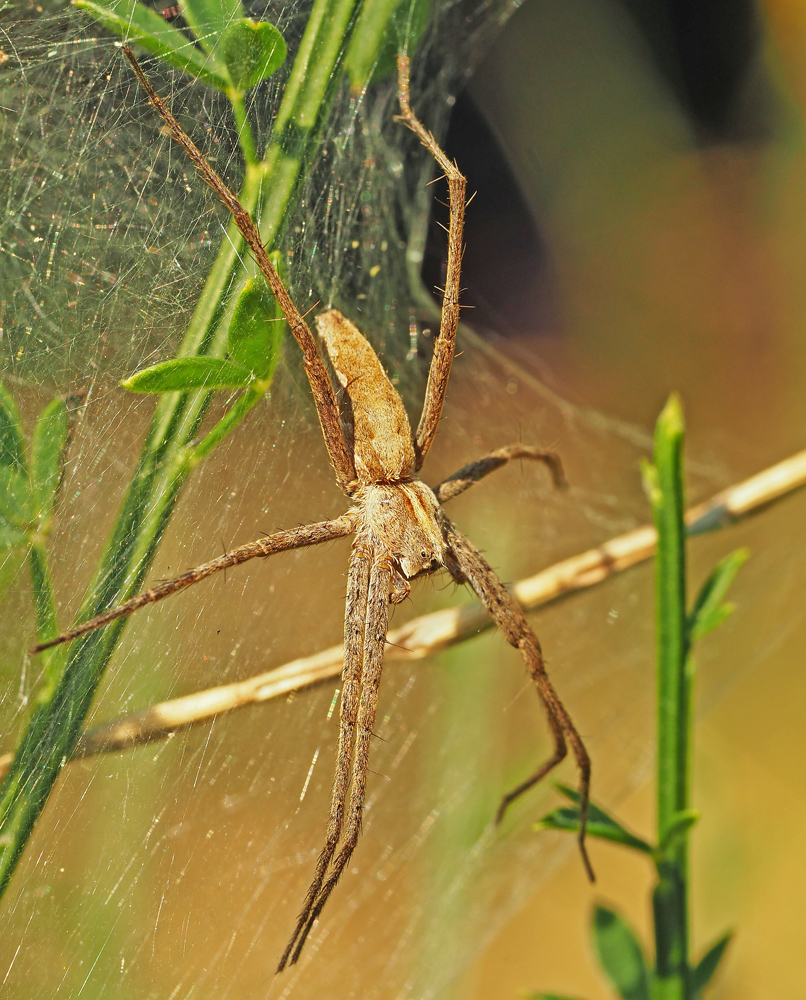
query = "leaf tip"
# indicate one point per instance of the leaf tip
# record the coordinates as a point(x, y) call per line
point(672, 412)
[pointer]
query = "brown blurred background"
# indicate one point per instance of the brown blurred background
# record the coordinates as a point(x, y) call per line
point(658, 149)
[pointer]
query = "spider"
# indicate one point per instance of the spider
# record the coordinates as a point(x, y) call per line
point(399, 526)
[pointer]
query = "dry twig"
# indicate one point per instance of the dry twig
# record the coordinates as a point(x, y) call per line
point(431, 633)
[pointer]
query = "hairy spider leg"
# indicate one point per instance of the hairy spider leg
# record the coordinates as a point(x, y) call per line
point(471, 567)
point(309, 534)
point(354, 627)
point(377, 622)
point(442, 358)
point(321, 387)
point(280, 541)
point(470, 474)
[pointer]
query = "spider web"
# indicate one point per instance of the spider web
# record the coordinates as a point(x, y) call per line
point(177, 869)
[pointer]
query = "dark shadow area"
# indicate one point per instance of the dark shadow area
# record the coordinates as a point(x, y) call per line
point(503, 248)
point(708, 54)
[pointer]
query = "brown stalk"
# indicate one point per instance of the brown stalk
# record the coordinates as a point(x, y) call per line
point(431, 633)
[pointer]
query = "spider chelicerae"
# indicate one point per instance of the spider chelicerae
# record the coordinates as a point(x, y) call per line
point(400, 528)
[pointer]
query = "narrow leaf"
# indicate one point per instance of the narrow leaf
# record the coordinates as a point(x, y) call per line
point(708, 623)
point(209, 18)
point(679, 825)
point(47, 453)
point(649, 479)
point(137, 23)
point(16, 504)
point(12, 441)
point(600, 823)
point(384, 28)
point(257, 328)
point(620, 955)
point(545, 996)
point(47, 624)
point(252, 51)
point(568, 819)
point(708, 610)
point(704, 970)
point(181, 374)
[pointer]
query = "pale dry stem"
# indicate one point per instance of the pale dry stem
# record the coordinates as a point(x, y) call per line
point(431, 633)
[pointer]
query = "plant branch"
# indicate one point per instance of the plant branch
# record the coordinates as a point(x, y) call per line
point(167, 457)
point(664, 482)
point(431, 633)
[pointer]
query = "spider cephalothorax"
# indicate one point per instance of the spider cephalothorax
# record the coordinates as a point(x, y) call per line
point(400, 528)
point(403, 520)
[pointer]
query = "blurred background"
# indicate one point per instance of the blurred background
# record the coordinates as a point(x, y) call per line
point(651, 235)
point(639, 227)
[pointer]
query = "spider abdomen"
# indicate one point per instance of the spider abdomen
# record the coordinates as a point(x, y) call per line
point(383, 448)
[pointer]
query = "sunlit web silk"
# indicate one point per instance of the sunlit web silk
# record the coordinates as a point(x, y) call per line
point(177, 869)
point(107, 237)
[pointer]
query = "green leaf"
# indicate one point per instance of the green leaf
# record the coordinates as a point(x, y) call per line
point(649, 479)
point(709, 611)
point(209, 18)
point(680, 825)
point(714, 620)
point(16, 502)
point(704, 970)
point(568, 819)
point(545, 996)
point(181, 374)
point(47, 451)
point(257, 328)
point(600, 824)
point(47, 625)
point(252, 51)
point(12, 440)
point(384, 28)
point(137, 23)
point(620, 955)
point(11, 536)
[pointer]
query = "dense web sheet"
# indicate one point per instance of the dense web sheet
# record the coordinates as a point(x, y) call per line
point(176, 869)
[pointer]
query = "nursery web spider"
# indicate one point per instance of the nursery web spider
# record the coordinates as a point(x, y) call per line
point(401, 531)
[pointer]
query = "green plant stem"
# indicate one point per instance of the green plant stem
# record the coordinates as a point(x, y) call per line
point(242, 126)
point(312, 78)
point(620, 954)
point(322, 45)
point(234, 415)
point(367, 41)
point(275, 179)
point(673, 696)
point(168, 455)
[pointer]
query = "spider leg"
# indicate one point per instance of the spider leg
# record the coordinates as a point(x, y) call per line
point(472, 473)
point(472, 567)
point(559, 755)
point(281, 541)
point(354, 628)
point(321, 386)
point(442, 358)
point(374, 639)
